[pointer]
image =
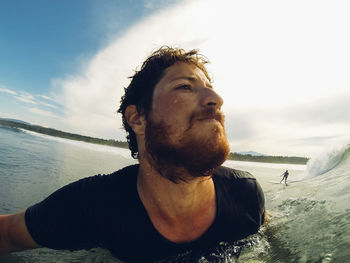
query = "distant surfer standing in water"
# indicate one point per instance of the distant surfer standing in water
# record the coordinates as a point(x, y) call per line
point(178, 198)
point(285, 177)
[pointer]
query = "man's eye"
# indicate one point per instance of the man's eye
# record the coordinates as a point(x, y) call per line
point(185, 87)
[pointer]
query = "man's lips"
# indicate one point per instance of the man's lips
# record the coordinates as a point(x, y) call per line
point(209, 115)
point(208, 119)
point(217, 118)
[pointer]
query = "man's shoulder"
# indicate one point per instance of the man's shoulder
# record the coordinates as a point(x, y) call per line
point(235, 181)
point(232, 174)
point(104, 184)
point(127, 173)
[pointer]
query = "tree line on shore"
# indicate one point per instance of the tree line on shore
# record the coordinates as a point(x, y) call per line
point(62, 134)
point(268, 158)
point(57, 133)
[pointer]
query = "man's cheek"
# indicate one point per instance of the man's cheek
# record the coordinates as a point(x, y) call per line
point(171, 106)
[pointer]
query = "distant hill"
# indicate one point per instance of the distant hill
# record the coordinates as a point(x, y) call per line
point(61, 134)
point(14, 120)
point(267, 158)
point(252, 153)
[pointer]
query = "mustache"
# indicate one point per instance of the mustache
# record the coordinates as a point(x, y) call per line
point(208, 113)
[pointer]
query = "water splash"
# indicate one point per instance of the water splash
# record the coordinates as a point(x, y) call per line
point(250, 249)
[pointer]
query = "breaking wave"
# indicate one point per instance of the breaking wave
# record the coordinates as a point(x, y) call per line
point(328, 160)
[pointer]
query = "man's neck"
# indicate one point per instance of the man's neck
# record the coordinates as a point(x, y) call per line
point(179, 207)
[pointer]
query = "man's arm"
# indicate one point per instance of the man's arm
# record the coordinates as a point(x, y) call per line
point(14, 235)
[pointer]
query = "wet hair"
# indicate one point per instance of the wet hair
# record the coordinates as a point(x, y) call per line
point(140, 90)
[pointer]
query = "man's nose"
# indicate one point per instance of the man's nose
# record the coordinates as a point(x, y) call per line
point(211, 99)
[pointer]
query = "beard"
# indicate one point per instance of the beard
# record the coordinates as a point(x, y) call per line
point(198, 154)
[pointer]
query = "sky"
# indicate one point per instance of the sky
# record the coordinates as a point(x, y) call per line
point(282, 67)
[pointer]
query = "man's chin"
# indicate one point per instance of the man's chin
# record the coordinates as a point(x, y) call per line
point(202, 149)
point(208, 151)
point(198, 158)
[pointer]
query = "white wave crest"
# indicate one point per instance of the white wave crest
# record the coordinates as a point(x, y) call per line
point(326, 160)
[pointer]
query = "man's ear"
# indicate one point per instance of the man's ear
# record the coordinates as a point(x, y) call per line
point(136, 121)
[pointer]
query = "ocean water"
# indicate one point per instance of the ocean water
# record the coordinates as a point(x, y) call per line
point(310, 217)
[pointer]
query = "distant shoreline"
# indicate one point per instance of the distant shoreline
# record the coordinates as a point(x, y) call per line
point(62, 134)
point(122, 144)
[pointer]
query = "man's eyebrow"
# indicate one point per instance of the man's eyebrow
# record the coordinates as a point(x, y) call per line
point(191, 79)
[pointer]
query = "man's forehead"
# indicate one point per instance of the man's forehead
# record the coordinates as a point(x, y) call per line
point(183, 70)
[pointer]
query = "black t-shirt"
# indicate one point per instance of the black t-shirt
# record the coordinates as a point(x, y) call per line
point(106, 211)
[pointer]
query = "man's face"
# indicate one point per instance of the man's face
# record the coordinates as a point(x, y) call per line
point(185, 126)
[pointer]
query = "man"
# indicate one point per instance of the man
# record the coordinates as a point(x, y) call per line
point(178, 197)
point(285, 177)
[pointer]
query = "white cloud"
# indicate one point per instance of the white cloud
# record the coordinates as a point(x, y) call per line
point(26, 97)
point(29, 98)
point(41, 112)
point(267, 56)
point(48, 98)
point(6, 90)
point(48, 105)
